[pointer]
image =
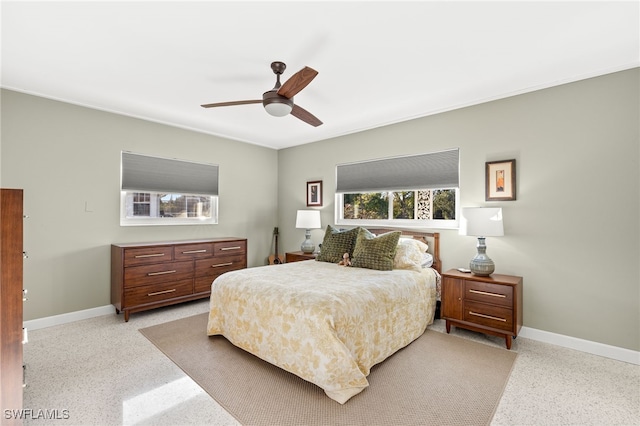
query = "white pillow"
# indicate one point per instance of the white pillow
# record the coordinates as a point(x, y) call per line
point(412, 254)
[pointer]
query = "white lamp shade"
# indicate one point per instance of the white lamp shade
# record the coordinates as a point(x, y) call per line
point(481, 222)
point(308, 219)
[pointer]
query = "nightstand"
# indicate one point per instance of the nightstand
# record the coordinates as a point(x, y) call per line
point(491, 305)
point(297, 256)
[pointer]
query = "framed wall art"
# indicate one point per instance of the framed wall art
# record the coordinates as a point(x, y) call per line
point(314, 194)
point(501, 180)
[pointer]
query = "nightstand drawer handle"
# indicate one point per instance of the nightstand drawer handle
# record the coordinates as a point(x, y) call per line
point(486, 293)
point(149, 255)
point(487, 316)
point(194, 251)
point(161, 292)
point(151, 274)
point(231, 248)
point(222, 264)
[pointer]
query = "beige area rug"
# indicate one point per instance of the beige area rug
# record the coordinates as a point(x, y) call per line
point(438, 379)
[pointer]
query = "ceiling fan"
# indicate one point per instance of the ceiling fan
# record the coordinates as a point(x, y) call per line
point(279, 100)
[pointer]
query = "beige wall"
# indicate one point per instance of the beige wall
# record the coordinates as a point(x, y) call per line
point(573, 233)
point(64, 156)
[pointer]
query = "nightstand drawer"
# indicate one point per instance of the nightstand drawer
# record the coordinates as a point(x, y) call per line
point(488, 315)
point(488, 293)
point(298, 256)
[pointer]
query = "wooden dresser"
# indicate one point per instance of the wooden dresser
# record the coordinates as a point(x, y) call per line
point(150, 275)
point(491, 305)
point(11, 309)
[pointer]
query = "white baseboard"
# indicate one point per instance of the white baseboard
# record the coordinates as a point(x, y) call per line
point(45, 322)
point(595, 348)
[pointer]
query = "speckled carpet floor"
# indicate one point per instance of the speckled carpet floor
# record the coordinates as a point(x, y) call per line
point(438, 379)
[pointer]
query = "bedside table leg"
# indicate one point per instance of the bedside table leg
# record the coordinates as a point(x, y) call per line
point(448, 326)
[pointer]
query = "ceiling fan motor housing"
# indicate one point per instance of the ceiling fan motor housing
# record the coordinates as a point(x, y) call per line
point(277, 105)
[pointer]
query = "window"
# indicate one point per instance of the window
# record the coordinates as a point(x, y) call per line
point(160, 191)
point(382, 192)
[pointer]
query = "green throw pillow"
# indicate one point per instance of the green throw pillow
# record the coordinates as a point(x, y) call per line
point(336, 243)
point(373, 252)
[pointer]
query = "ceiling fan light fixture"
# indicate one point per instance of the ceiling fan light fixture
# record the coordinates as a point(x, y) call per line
point(278, 109)
point(276, 105)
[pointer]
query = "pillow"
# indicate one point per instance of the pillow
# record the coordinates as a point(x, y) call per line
point(336, 243)
point(410, 254)
point(373, 252)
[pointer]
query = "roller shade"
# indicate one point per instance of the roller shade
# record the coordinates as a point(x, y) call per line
point(155, 174)
point(424, 171)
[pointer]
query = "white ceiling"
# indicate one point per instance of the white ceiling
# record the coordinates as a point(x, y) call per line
point(378, 62)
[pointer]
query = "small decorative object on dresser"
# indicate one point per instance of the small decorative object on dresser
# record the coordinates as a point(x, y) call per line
point(491, 305)
point(150, 275)
point(297, 256)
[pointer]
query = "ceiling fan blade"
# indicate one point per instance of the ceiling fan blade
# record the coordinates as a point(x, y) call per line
point(305, 116)
point(219, 104)
point(297, 82)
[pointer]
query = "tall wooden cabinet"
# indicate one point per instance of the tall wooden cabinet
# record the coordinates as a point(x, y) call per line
point(11, 311)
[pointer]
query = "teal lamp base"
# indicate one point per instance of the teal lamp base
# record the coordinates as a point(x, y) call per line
point(482, 265)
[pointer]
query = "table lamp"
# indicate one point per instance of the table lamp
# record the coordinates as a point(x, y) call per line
point(481, 222)
point(308, 220)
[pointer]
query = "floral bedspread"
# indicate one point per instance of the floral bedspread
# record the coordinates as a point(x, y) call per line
point(327, 324)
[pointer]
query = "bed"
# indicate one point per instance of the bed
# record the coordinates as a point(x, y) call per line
point(327, 323)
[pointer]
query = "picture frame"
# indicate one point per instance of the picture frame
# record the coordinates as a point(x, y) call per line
point(314, 193)
point(500, 180)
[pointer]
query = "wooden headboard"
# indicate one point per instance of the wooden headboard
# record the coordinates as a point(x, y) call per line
point(432, 239)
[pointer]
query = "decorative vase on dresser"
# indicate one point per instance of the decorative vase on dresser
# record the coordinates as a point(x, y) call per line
point(11, 300)
point(491, 305)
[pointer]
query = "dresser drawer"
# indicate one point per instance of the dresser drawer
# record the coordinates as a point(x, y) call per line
point(488, 315)
point(229, 247)
point(488, 293)
point(157, 292)
point(218, 265)
point(141, 256)
point(193, 251)
point(158, 273)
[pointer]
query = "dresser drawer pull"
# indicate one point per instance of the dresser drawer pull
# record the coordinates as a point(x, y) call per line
point(222, 264)
point(230, 248)
point(161, 292)
point(487, 316)
point(149, 255)
point(486, 293)
point(151, 274)
point(194, 251)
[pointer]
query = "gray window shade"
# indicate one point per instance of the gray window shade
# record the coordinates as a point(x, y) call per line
point(424, 171)
point(155, 174)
